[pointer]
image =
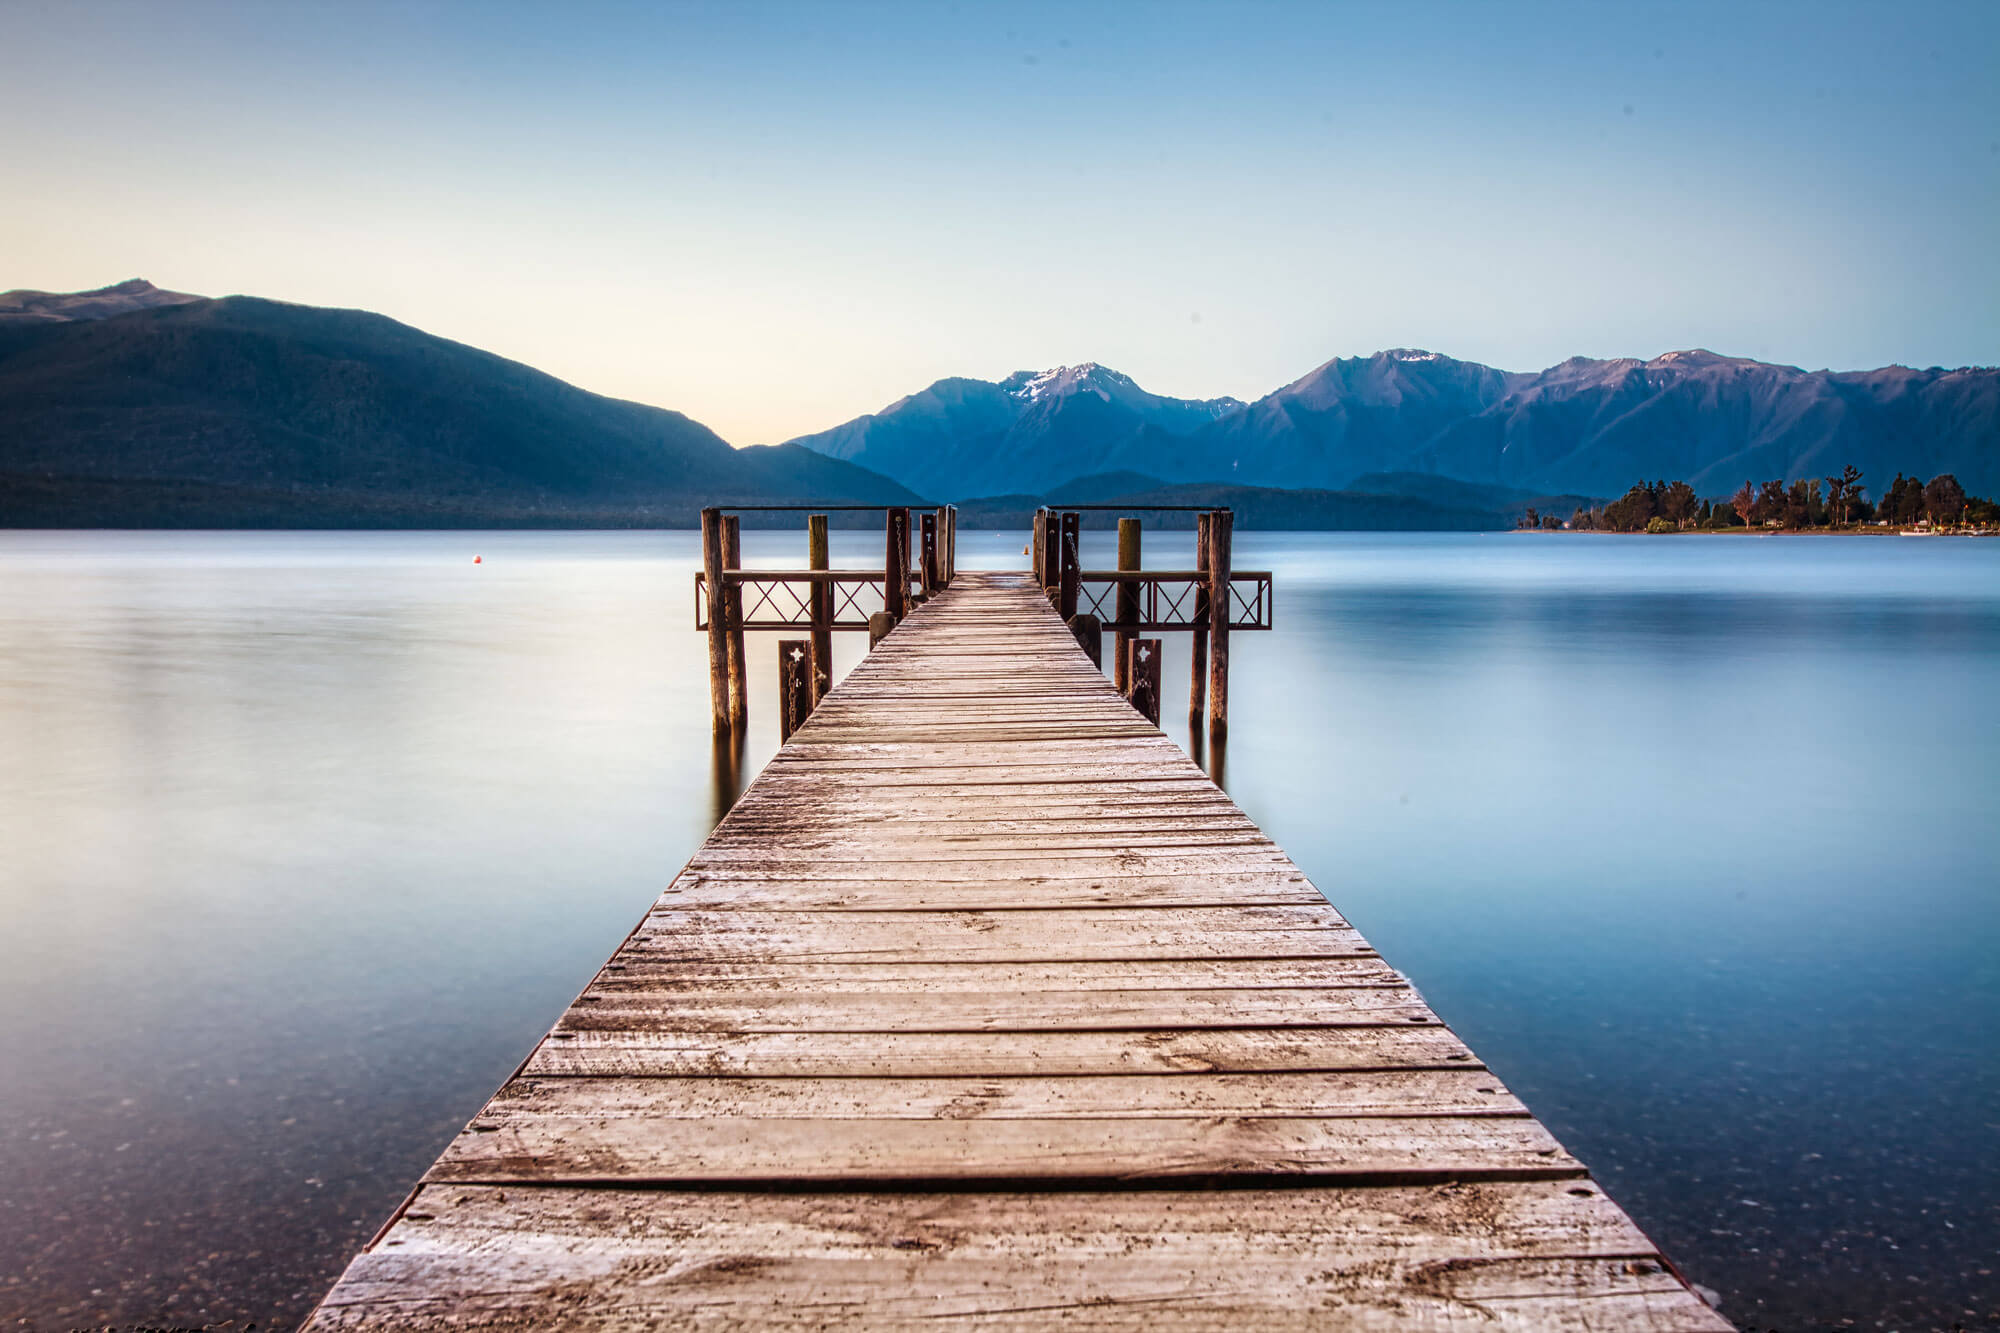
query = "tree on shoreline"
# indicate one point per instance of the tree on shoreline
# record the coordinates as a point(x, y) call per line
point(1678, 503)
point(1772, 500)
point(1944, 500)
point(1744, 502)
point(1661, 506)
point(1839, 488)
point(1904, 502)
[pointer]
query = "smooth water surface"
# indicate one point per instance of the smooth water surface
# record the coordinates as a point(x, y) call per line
point(306, 838)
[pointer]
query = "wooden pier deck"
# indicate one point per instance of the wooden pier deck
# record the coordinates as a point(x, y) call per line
point(985, 1006)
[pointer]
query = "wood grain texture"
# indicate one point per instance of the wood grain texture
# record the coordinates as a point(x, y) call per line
point(1493, 1256)
point(974, 973)
point(628, 1050)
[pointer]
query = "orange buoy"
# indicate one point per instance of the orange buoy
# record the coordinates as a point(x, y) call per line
point(477, 558)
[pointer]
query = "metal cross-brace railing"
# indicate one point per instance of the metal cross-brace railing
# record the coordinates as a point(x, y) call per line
point(782, 598)
point(1169, 599)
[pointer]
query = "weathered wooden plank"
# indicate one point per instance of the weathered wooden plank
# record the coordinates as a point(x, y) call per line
point(1193, 851)
point(1059, 784)
point(880, 827)
point(1494, 1256)
point(1014, 936)
point(1113, 925)
point(1332, 1095)
point(945, 818)
point(768, 976)
point(994, 1054)
point(922, 893)
point(610, 1005)
point(1076, 877)
point(498, 1147)
point(1020, 774)
point(801, 810)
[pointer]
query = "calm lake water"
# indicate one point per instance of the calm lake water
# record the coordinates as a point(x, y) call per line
point(306, 838)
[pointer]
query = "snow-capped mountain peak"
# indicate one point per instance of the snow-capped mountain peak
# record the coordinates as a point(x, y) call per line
point(1031, 386)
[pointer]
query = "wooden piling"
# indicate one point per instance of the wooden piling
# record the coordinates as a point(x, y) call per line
point(879, 625)
point(927, 572)
point(1089, 636)
point(950, 544)
point(1071, 582)
point(794, 685)
point(732, 601)
point(896, 565)
point(718, 620)
point(1198, 640)
point(1127, 613)
point(1142, 672)
point(821, 608)
point(1220, 523)
point(1051, 552)
point(1035, 546)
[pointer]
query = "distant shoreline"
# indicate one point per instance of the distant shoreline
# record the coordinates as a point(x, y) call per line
point(1756, 532)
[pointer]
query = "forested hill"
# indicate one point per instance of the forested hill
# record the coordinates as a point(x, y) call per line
point(245, 412)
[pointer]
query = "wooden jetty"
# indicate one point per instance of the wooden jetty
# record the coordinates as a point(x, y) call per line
point(985, 1006)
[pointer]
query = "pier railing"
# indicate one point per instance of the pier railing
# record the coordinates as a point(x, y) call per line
point(781, 599)
point(1170, 599)
point(1127, 601)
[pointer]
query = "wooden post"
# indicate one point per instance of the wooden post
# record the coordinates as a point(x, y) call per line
point(896, 566)
point(879, 625)
point(1051, 551)
point(1035, 547)
point(1198, 657)
point(1142, 669)
point(1219, 525)
point(794, 685)
point(1089, 636)
point(950, 544)
point(1127, 602)
point(1072, 563)
point(927, 555)
point(718, 619)
point(821, 608)
point(732, 597)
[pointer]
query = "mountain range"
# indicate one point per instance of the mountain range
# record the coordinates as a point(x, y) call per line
point(134, 406)
point(130, 406)
point(1027, 433)
point(1586, 426)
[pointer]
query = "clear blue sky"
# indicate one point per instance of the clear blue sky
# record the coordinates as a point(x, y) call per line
point(776, 216)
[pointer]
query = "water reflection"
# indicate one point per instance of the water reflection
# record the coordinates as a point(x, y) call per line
point(727, 776)
point(1209, 752)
